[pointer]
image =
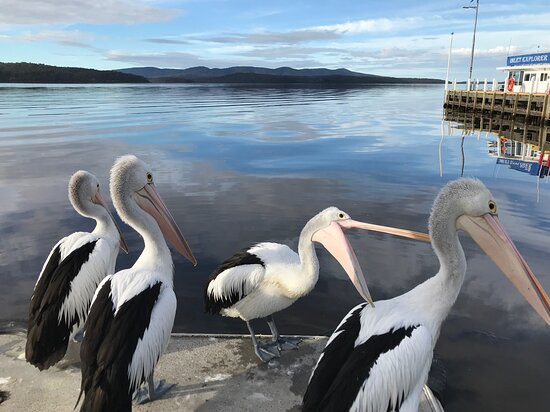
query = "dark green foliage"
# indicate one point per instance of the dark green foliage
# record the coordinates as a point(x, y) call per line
point(262, 75)
point(42, 73)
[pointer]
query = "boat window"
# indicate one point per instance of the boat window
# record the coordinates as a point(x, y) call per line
point(527, 77)
point(518, 77)
point(543, 77)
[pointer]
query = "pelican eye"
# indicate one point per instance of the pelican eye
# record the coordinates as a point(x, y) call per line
point(149, 178)
point(98, 185)
point(492, 206)
point(341, 215)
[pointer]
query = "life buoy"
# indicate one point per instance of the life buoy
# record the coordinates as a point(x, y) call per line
point(510, 84)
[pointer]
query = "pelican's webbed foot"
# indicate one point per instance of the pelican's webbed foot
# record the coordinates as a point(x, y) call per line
point(266, 351)
point(285, 343)
point(288, 343)
point(153, 391)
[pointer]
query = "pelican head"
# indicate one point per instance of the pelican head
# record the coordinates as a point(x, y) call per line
point(327, 228)
point(133, 192)
point(472, 207)
point(86, 199)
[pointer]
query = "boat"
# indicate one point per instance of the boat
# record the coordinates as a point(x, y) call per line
point(527, 73)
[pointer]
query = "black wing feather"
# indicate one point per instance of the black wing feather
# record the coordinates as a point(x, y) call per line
point(334, 356)
point(109, 345)
point(47, 337)
point(214, 305)
point(356, 370)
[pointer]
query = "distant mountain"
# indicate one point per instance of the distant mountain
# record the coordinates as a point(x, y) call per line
point(251, 74)
point(41, 73)
point(205, 72)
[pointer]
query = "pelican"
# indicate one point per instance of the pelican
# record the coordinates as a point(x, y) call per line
point(133, 310)
point(70, 275)
point(269, 277)
point(379, 356)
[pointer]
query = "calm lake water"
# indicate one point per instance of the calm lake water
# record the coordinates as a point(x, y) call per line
point(237, 165)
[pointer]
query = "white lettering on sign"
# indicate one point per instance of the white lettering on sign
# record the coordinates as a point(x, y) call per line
point(530, 59)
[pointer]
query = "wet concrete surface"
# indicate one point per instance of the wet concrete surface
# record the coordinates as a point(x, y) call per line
point(210, 373)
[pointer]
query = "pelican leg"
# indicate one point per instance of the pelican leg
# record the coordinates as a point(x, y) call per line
point(154, 390)
point(264, 351)
point(77, 338)
point(286, 343)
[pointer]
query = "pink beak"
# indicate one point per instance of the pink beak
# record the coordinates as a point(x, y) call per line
point(149, 200)
point(334, 240)
point(98, 200)
point(354, 224)
point(489, 234)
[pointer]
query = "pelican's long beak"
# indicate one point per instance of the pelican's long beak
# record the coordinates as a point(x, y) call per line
point(333, 239)
point(489, 234)
point(149, 200)
point(354, 224)
point(98, 200)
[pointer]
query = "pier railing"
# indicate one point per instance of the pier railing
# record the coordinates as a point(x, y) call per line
point(476, 84)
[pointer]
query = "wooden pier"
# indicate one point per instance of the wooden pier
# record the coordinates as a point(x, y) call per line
point(520, 116)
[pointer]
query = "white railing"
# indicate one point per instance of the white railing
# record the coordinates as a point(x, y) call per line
point(477, 84)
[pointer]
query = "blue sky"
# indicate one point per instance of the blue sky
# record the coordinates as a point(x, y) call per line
point(397, 38)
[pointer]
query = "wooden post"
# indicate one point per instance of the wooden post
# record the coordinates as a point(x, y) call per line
point(545, 115)
point(528, 111)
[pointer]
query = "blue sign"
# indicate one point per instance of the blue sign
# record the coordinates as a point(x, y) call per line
point(526, 167)
point(525, 59)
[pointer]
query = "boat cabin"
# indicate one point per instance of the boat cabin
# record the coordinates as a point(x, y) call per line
point(527, 73)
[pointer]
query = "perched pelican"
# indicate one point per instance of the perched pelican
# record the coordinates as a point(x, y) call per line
point(69, 277)
point(268, 277)
point(378, 358)
point(132, 313)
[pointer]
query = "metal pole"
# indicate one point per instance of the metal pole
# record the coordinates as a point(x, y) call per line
point(449, 62)
point(474, 37)
point(474, 40)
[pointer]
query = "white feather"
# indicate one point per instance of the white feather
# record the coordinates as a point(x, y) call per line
point(238, 279)
point(155, 339)
point(100, 263)
point(396, 372)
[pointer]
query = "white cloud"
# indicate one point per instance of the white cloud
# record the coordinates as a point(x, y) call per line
point(270, 37)
point(82, 11)
point(73, 38)
point(491, 52)
point(373, 25)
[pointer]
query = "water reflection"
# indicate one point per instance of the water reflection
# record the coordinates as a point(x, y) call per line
point(241, 165)
point(520, 144)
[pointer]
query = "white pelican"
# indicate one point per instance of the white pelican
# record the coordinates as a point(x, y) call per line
point(378, 358)
point(133, 310)
point(268, 277)
point(70, 275)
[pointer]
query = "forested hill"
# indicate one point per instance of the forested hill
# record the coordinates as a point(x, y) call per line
point(42, 73)
point(259, 75)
